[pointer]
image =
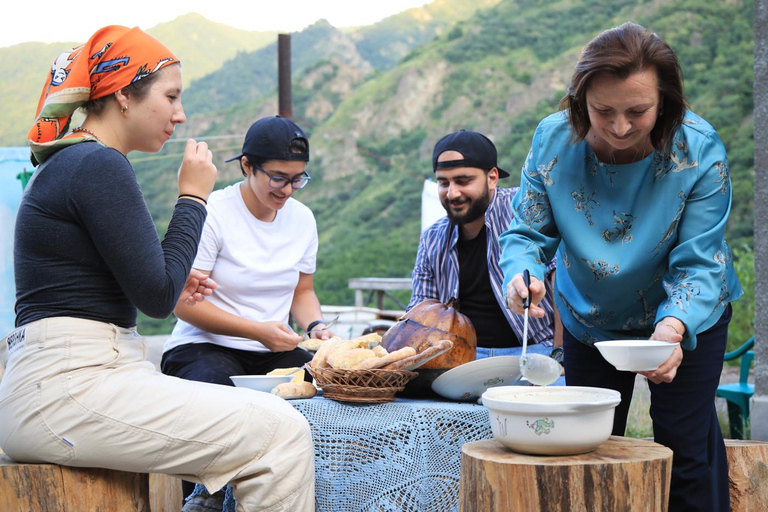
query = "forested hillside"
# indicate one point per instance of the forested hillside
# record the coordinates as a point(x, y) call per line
point(200, 44)
point(374, 114)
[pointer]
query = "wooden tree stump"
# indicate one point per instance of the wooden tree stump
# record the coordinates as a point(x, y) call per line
point(622, 474)
point(48, 487)
point(165, 494)
point(747, 474)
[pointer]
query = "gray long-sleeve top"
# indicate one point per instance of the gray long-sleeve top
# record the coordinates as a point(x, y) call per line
point(85, 245)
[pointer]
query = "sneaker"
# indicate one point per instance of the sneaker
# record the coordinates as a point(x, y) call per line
point(205, 502)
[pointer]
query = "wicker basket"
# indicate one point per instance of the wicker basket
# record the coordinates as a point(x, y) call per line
point(361, 386)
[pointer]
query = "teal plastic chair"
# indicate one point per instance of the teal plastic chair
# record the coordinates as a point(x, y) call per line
point(737, 395)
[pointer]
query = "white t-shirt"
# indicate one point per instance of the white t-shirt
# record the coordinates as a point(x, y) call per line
point(255, 264)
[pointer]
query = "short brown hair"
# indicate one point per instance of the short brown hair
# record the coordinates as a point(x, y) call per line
point(619, 52)
point(138, 89)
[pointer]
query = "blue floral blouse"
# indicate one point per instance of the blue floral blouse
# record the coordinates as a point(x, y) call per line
point(635, 243)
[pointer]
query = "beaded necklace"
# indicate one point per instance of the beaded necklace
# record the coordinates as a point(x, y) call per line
point(86, 130)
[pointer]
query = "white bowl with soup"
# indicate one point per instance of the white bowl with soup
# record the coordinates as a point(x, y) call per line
point(551, 420)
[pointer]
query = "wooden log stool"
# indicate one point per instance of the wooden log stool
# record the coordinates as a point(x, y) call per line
point(747, 474)
point(50, 487)
point(622, 474)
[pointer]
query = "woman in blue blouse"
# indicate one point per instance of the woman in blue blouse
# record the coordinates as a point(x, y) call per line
point(631, 191)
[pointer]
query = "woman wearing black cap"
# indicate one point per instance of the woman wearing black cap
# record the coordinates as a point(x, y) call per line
point(260, 246)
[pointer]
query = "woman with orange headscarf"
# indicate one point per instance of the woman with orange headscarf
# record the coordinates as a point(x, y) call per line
point(77, 389)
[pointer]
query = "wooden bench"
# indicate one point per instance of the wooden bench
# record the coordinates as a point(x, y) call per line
point(50, 487)
point(380, 286)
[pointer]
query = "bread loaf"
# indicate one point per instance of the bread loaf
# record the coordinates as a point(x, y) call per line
point(381, 361)
point(321, 356)
point(411, 363)
point(348, 359)
point(289, 390)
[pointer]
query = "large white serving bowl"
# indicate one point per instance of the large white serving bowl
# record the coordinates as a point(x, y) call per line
point(635, 355)
point(551, 420)
point(263, 383)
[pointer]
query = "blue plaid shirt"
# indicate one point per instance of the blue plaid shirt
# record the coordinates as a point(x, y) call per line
point(436, 272)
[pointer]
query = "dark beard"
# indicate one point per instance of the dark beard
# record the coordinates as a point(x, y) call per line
point(477, 208)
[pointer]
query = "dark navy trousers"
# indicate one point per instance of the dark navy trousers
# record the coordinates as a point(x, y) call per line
point(683, 414)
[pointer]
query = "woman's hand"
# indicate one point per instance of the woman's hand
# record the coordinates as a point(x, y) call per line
point(671, 330)
point(322, 335)
point(198, 287)
point(197, 174)
point(277, 336)
point(516, 292)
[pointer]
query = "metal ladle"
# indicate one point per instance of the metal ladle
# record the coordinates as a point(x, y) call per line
point(536, 368)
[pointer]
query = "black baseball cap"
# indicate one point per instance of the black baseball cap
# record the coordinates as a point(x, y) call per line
point(477, 149)
point(271, 137)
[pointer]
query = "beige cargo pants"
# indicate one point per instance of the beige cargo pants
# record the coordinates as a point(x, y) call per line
point(80, 393)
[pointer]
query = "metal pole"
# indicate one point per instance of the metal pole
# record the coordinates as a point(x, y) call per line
point(285, 103)
point(759, 413)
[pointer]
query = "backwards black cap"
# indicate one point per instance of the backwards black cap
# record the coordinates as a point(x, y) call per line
point(477, 149)
point(271, 137)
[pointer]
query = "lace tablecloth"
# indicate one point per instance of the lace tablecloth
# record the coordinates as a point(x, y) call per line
point(402, 456)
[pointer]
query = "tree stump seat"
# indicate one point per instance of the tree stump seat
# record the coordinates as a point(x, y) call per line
point(622, 474)
point(747, 475)
point(50, 487)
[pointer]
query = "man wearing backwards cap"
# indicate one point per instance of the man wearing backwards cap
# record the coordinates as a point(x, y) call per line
point(458, 255)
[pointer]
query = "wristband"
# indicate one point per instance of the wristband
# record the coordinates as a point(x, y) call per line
point(193, 197)
point(314, 324)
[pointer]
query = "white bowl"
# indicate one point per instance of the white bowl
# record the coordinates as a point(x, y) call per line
point(551, 420)
point(263, 383)
point(469, 380)
point(635, 355)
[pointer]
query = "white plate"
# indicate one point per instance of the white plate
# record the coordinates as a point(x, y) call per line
point(263, 383)
point(470, 380)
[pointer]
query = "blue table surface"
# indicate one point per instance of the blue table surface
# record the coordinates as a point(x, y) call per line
point(401, 456)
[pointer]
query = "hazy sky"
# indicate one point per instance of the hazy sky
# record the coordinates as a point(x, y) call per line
point(51, 21)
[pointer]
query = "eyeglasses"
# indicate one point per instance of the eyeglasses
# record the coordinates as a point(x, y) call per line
point(278, 182)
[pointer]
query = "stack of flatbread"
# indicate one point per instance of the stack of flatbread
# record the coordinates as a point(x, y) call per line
point(365, 353)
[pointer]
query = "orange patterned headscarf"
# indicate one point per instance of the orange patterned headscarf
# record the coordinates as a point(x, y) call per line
point(113, 58)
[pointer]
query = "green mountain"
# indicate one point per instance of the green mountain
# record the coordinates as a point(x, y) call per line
point(375, 100)
point(202, 46)
point(252, 76)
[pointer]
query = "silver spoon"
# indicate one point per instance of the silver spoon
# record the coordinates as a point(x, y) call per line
point(537, 368)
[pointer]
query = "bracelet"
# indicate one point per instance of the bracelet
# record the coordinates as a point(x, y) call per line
point(193, 197)
point(673, 328)
point(315, 324)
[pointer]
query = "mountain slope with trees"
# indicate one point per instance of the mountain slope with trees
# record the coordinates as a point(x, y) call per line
point(375, 100)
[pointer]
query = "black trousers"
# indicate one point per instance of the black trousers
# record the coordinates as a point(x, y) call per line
point(683, 414)
point(206, 362)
